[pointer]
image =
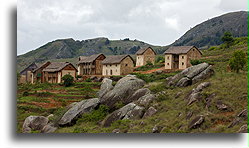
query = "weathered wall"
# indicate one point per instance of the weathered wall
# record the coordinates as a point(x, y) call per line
point(114, 68)
point(127, 66)
point(168, 61)
point(183, 61)
point(149, 56)
point(140, 60)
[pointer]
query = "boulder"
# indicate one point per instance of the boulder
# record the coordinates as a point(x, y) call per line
point(191, 75)
point(194, 96)
point(196, 122)
point(122, 91)
point(129, 111)
point(221, 106)
point(78, 109)
point(137, 94)
point(243, 129)
point(209, 100)
point(146, 100)
point(34, 123)
point(203, 75)
point(49, 128)
point(105, 87)
point(157, 129)
point(116, 131)
point(243, 114)
point(201, 86)
point(151, 111)
point(183, 82)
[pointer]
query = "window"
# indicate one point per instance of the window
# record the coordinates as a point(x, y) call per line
point(116, 65)
point(110, 72)
point(167, 63)
point(168, 57)
point(126, 64)
point(182, 63)
point(182, 57)
point(110, 65)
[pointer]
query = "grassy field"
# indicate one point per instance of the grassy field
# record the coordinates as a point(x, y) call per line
point(228, 87)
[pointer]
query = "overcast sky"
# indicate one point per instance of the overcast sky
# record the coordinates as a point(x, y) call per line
point(158, 22)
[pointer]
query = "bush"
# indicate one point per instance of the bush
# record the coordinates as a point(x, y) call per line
point(238, 61)
point(25, 93)
point(68, 80)
point(88, 80)
point(148, 63)
point(195, 62)
point(160, 59)
point(228, 39)
point(96, 115)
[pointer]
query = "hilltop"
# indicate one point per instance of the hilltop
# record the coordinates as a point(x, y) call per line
point(210, 32)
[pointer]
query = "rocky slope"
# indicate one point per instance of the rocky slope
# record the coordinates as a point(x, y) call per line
point(210, 32)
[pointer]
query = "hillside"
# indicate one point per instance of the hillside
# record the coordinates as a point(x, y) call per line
point(172, 115)
point(70, 48)
point(210, 32)
point(204, 35)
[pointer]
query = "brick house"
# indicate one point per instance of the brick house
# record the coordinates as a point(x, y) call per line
point(145, 55)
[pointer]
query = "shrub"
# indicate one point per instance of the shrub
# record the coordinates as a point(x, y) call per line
point(88, 80)
point(148, 63)
point(228, 39)
point(160, 59)
point(195, 62)
point(95, 115)
point(238, 61)
point(67, 80)
point(25, 93)
point(78, 76)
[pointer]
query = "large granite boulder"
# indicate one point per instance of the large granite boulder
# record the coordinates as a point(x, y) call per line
point(145, 100)
point(105, 87)
point(191, 75)
point(137, 94)
point(129, 111)
point(33, 123)
point(78, 109)
point(122, 91)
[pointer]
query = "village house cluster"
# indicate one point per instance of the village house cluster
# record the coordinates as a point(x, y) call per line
point(176, 58)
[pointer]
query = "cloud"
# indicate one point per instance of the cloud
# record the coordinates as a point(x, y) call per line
point(158, 22)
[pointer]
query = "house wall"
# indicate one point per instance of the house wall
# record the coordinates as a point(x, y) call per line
point(99, 66)
point(115, 68)
point(140, 60)
point(192, 55)
point(183, 61)
point(168, 61)
point(127, 66)
point(149, 56)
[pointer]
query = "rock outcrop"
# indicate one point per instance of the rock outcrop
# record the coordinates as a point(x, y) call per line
point(191, 75)
point(78, 109)
point(33, 123)
point(121, 92)
point(129, 111)
point(196, 122)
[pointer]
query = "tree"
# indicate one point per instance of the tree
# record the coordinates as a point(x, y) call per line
point(238, 61)
point(228, 39)
point(67, 80)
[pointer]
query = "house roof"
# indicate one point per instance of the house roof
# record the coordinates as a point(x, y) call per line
point(57, 66)
point(31, 67)
point(89, 59)
point(179, 49)
point(142, 50)
point(41, 65)
point(116, 59)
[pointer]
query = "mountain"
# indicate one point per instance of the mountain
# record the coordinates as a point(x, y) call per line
point(70, 48)
point(203, 35)
point(209, 33)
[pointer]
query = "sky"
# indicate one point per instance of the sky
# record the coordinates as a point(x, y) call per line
point(157, 22)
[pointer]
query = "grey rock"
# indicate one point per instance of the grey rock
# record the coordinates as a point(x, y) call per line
point(178, 94)
point(158, 72)
point(196, 122)
point(203, 85)
point(183, 82)
point(197, 69)
point(105, 87)
point(129, 111)
point(203, 75)
point(146, 100)
point(157, 129)
point(34, 123)
point(151, 111)
point(209, 100)
point(221, 106)
point(189, 115)
point(194, 97)
point(78, 109)
point(243, 114)
point(122, 91)
point(243, 129)
point(236, 121)
point(49, 128)
point(116, 131)
point(137, 94)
